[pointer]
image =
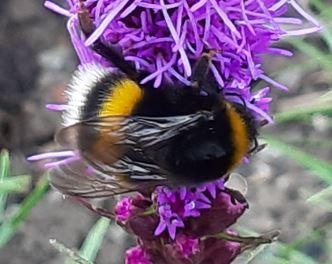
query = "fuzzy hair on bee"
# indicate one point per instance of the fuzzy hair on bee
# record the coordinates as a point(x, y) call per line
point(84, 79)
point(131, 137)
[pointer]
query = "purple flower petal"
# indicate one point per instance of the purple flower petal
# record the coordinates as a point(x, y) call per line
point(166, 38)
point(56, 107)
point(124, 209)
point(52, 155)
point(137, 255)
point(104, 24)
point(57, 9)
point(186, 246)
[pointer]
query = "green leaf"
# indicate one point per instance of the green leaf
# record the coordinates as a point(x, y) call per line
point(325, 15)
point(323, 8)
point(14, 184)
point(72, 254)
point(322, 199)
point(4, 164)
point(324, 59)
point(10, 225)
point(4, 172)
point(302, 113)
point(297, 257)
point(320, 196)
point(308, 142)
point(94, 239)
point(319, 167)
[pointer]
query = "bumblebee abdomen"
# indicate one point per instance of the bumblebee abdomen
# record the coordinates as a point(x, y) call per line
point(94, 93)
point(240, 134)
point(207, 151)
point(208, 160)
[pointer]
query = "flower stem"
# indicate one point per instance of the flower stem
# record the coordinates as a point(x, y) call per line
point(249, 242)
point(150, 211)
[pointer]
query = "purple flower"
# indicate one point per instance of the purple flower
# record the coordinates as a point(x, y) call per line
point(166, 38)
point(186, 246)
point(168, 220)
point(133, 213)
point(207, 209)
point(176, 206)
point(196, 212)
point(137, 255)
point(225, 209)
point(124, 209)
point(188, 250)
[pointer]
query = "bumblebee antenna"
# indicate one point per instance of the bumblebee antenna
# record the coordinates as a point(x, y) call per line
point(107, 52)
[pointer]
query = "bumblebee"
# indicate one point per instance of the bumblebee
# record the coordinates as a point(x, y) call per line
point(132, 137)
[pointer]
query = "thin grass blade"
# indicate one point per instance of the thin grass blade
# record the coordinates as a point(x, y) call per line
point(10, 225)
point(319, 167)
point(93, 241)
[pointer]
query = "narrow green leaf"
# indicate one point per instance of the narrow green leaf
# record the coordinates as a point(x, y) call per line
point(285, 254)
point(322, 199)
point(320, 196)
point(324, 59)
point(319, 167)
point(290, 251)
point(327, 36)
point(94, 239)
point(4, 172)
point(303, 112)
point(15, 184)
point(4, 164)
point(325, 11)
point(282, 253)
point(295, 256)
point(323, 8)
point(72, 254)
point(308, 142)
point(10, 225)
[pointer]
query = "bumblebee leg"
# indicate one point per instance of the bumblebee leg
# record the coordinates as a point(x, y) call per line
point(201, 69)
point(202, 77)
point(107, 52)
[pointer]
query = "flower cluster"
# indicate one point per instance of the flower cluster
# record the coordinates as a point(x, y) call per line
point(180, 225)
point(186, 225)
point(208, 202)
point(186, 250)
point(165, 38)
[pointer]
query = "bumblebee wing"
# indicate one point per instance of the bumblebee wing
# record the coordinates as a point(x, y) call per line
point(69, 136)
point(109, 159)
point(151, 132)
point(133, 130)
point(77, 178)
point(127, 142)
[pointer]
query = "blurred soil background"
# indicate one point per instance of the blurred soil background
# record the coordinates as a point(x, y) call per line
point(36, 62)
